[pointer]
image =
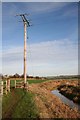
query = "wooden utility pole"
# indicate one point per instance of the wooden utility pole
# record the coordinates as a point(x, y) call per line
point(25, 54)
point(26, 24)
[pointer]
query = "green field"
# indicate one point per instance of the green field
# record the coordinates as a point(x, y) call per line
point(19, 104)
point(36, 81)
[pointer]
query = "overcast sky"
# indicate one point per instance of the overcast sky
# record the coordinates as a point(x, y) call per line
point(52, 40)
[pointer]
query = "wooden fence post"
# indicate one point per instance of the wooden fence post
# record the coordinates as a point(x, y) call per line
point(8, 85)
point(15, 83)
point(1, 87)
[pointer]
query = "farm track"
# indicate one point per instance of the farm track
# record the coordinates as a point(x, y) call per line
point(11, 107)
point(49, 105)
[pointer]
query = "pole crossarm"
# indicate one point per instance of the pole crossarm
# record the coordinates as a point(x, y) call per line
point(24, 18)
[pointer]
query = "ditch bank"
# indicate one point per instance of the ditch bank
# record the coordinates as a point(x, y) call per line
point(71, 92)
point(49, 105)
point(65, 100)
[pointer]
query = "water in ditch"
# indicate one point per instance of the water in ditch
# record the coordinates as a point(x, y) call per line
point(66, 100)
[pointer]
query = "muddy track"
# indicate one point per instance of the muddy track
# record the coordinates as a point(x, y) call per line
point(11, 107)
point(13, 103)
point(49, 105)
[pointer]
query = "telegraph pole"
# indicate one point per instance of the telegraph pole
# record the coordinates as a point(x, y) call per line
point(25, 54)
point(26, 24)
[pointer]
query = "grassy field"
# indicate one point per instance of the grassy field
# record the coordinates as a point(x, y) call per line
point(36, 81)
point(19, 104)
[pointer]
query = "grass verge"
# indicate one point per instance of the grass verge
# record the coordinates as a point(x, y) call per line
point(19, 104)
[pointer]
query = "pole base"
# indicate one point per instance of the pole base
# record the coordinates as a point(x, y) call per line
point(26, 86)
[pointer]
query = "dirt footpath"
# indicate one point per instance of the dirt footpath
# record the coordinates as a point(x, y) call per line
point(49, 105)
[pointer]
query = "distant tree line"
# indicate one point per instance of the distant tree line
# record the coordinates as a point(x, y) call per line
point(38, 77)
point(64, 77)
point(20, 76)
